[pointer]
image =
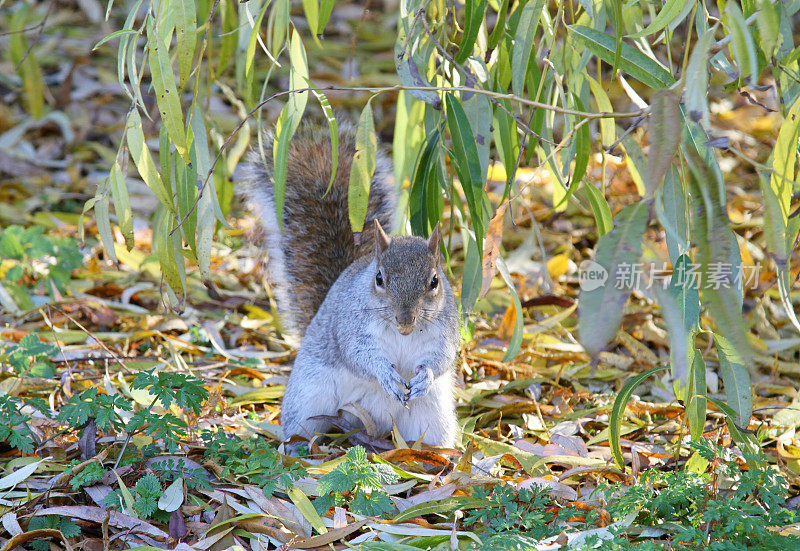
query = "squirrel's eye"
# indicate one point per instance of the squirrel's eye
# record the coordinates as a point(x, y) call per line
point(379, 279)
point(434, 282)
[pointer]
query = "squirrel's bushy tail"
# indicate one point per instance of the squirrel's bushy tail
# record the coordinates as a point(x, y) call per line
point(317, 242)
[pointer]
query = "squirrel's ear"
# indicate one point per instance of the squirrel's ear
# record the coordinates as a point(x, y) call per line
point(433, 241)
point(381, 239)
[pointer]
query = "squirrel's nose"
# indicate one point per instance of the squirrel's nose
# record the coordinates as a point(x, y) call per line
point(405, 322)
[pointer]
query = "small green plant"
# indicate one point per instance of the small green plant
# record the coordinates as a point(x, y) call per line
point(37, 264)
point(52, 522)
point(184, 391)
point(358, 484)
point(13, 425)
point(144, 496)
point(700, 514)
point(511, 518)
point(30, 357)
point(253, 460)
point(171, 469)
point(87, 476)
point(90, 404)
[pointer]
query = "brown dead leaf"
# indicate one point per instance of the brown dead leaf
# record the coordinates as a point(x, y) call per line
point(329, 537)
point(16, 541)
point(422, 456)
point(506, 328)
point(98, 515)
point(491, 248)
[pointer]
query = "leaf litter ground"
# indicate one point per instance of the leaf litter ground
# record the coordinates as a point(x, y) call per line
point(124, 424)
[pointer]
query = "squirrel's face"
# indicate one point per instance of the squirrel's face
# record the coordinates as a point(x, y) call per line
point(408, 279)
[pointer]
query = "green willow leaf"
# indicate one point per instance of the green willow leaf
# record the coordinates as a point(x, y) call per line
point(506, 139)
point(712, 234)
point(666, 123)
point(103, 222)
point(27, 65)
point(499, 26)
point(122, 204)
point(333, 129)
point(185, 35)
point(736, 378)
point(166, 252)
point(742, 45)
point(478, 109)
point(112, 36)
point(620, 402)
point(169, 104)
point(289, 119)
point(769, 25)
point(778, 197)
point(412, 54)
point(325, 10)
point(143, 160)
point(696, 407)
point(683, 289)
point(583, 146)
point(472, 277)
point(475, 9)
point(600, 308)
point(186, 191)
point(619, 29)
point(516, 338)
point(680, 340)
point(311, 10)
point(229, 38)
point(252, 42)
point(670, 207)
point(424, 192)
point(362, 169)
point(600, 210)
point(637, 64)
point(696, 93)
point(608, 130)
point(278, 25)
point(468, 168)
point(524, 43)
point(669, 15)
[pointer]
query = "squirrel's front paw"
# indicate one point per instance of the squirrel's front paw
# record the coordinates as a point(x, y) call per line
point(393, 383)
point(421, 383)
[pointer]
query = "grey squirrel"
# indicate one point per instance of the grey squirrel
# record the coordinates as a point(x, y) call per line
point(377, 318)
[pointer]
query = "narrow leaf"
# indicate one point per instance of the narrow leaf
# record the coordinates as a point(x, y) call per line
point(637, 64)
point(186, 36)
point(665, 136)
point(742, 45)
point(601, 303)
point(468, 167)
point(736, 378)
point(474, 17)
point(143, 160)
point(169, 104)
point(696, 94)
point(670, 14)
point(617, 410)
point(524, 43)
point(362, 169)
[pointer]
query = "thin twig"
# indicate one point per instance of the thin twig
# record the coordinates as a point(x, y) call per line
point(36, 38)
point(113, 354)
point(630, 129)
